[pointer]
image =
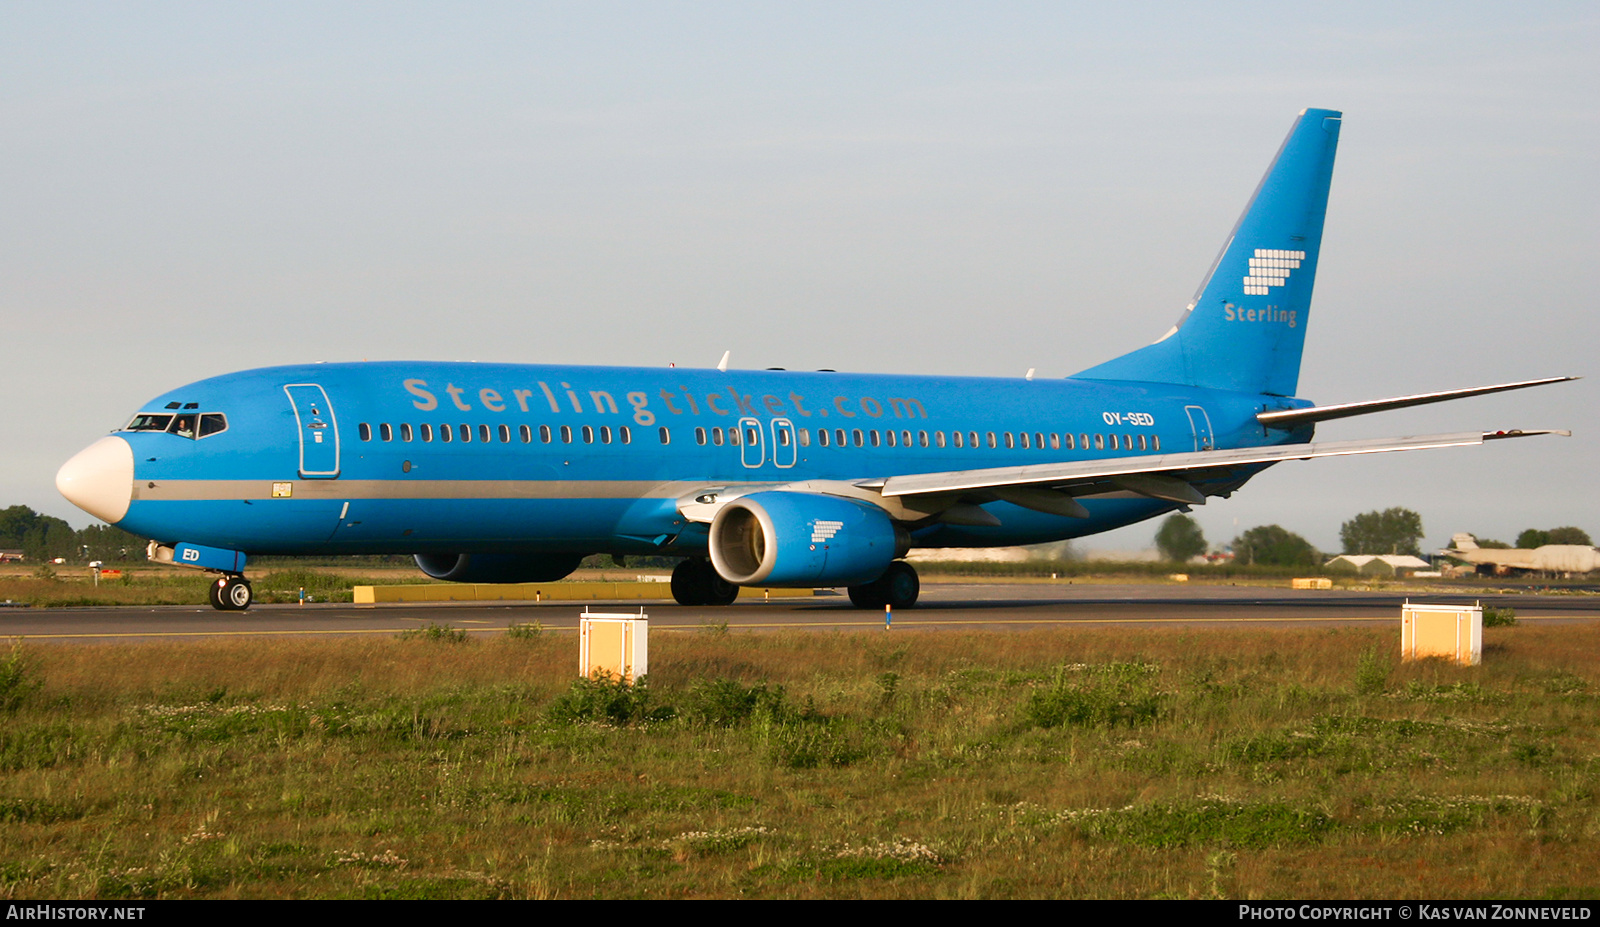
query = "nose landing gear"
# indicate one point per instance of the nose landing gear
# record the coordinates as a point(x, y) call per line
point(230, 593)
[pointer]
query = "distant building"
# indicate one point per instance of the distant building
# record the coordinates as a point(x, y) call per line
point(1377, 564)
point(10, 556)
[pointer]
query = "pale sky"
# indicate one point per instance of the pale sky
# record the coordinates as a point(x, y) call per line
point(966, 189)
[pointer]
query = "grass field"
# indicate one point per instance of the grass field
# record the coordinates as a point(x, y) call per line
point(1186, 764)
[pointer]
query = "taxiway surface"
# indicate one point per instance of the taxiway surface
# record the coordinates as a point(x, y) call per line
point(947, 606)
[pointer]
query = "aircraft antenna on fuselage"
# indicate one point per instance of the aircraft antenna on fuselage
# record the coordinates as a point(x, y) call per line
point(722, 365)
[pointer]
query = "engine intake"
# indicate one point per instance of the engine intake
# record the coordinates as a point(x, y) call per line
point(803, 539)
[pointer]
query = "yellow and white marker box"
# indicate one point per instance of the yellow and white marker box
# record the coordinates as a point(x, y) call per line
point(614, 645)
point(1454, 632)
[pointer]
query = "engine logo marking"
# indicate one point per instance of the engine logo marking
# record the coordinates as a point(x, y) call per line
point(823, 530)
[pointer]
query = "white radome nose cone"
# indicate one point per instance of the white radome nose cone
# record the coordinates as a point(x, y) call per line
point(99, 479)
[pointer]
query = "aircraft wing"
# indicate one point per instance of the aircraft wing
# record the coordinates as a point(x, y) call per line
point(1049, 487)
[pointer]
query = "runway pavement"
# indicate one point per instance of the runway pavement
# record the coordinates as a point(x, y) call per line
point(944, 606)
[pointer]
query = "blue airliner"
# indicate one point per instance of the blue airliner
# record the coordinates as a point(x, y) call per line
point(514, 473)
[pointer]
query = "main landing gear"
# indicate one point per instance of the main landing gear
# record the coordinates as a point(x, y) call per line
point(897, 588)
point(230, 593)
point(695, 582)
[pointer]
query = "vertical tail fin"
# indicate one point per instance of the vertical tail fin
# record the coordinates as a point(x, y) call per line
point(1246, 326)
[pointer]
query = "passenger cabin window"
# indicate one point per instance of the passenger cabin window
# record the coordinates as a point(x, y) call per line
point(666, 436)
point(385, 432)
point(405, 432)
point(466, 433)
point(365, 431)
point(427, 432)
point(544, 434)
point(525, 433)
point(446, 433)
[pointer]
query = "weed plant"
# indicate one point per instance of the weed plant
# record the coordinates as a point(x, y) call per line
point(1499, 617)
point(1060, 763)
point(437, 633)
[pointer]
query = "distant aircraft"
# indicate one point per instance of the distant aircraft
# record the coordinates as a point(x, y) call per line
point(506, 473)
point(1551, 558)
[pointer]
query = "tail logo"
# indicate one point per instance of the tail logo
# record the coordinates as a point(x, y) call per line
point(1269, 268)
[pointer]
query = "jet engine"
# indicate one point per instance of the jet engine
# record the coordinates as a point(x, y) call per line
point(803, 539)
point(498, 568)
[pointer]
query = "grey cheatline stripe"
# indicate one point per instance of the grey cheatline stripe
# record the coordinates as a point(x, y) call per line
point(204, 490)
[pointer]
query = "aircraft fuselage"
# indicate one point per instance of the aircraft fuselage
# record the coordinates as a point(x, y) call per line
point(400, 457)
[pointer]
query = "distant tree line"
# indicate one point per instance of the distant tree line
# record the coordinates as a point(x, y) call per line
point(1391, 531)
point(45, 537)
point(1533, 537)
point(1180, 540)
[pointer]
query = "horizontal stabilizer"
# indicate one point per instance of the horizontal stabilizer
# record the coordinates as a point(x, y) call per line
point(1294, 418)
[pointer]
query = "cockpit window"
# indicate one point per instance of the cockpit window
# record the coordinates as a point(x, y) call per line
point(149, 423)
point(184, 425)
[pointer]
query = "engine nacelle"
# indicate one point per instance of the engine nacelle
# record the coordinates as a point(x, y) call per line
point(498, 568)
point(803, 539)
